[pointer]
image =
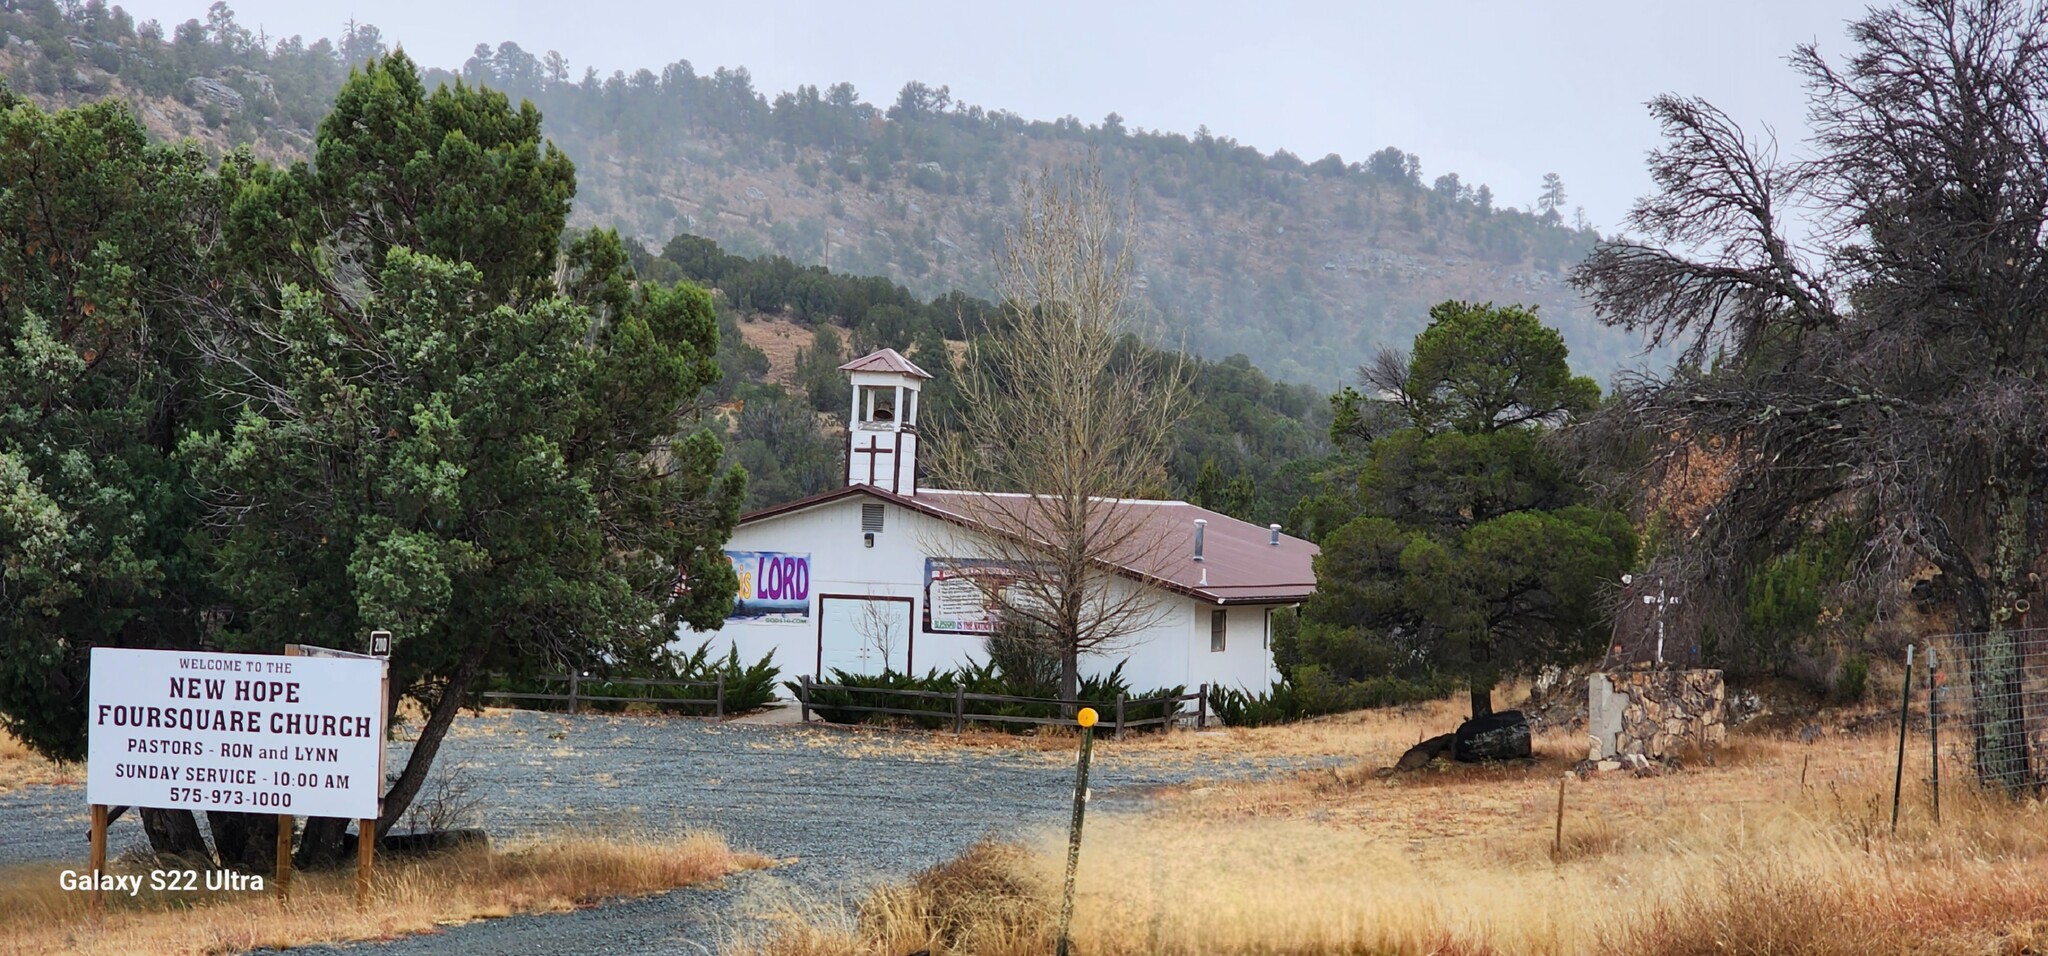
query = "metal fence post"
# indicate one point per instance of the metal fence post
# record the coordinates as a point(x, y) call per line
point(1202, 709)
point(1086, 719)
point(1934, 729)
point(1905, 709)
point(719, 712)
point(575, 678)
point(1119, 716)
point(959, 709)
point(804, 696)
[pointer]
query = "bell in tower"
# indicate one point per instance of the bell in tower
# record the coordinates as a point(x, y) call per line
point(882, 431)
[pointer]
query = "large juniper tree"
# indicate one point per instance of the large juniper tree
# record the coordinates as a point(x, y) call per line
point(98, 229)
point(1895, 362)
point(445, 426)
point(254, 406)
point(1478, 554)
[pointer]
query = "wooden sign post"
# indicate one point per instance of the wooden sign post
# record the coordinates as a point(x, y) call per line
point(366, 827)
point(99, 857)
point(366, 830)
point(366, 852)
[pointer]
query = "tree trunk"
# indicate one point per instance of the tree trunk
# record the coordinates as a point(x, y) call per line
point(1070, 674)
point(1483, 678)
point(245, 841)
point(174, 833)
point(321, 845)
point(407, 786)
point(2000, 720)
point(1482, 700)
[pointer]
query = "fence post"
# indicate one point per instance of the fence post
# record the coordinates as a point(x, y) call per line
point(1557, 838)
point(719, 712)
point(804, 696)
point(1202, 709)
point(575, 677)
point(959, 708)
point(1086, 719)
point(1905, 708)
point(1119, 716)
point(1934, 729)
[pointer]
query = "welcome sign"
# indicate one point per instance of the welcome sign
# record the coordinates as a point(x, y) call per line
point(249, 732)
point(775, 587)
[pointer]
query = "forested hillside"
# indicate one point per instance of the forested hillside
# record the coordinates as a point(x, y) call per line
point(1304, 267)
point(1250, 447)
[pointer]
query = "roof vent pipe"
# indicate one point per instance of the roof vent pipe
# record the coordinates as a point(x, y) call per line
point(1276, 533)
point(1201, 525)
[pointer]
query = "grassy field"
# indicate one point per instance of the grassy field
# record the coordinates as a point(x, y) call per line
point(1779, 847)
point(21, 767)
point(418, 896)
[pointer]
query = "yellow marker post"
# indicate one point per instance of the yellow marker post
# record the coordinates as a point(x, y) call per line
point(1086, 718)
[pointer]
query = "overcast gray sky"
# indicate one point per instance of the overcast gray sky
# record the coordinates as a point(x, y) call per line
point(1497, 91)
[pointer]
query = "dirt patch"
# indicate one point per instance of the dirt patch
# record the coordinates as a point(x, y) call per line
point(779, 339)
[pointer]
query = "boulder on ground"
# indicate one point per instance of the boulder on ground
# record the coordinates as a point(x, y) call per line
point(1500, 736)
point(1421, 754)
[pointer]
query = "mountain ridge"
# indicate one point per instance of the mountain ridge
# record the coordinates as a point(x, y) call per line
point(1306, 268)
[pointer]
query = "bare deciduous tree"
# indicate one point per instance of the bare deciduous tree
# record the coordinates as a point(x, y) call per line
point(1061, 414)
point(1898, 367)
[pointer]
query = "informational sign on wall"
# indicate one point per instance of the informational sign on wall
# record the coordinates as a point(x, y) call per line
point(957, 591)
point(250, 732)
point(775, 587)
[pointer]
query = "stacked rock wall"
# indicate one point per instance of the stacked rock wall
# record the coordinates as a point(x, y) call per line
point(1655, 713)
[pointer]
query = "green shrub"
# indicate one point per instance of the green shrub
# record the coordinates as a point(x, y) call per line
point(1852, 682)
point(1309, 691)
point(747, 686)
point(833, 699)
point(1024, 660)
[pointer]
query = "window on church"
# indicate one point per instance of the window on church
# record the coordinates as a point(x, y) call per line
point(877, 403)
point(909, 408)
point(870, 517)
point(1219, 623)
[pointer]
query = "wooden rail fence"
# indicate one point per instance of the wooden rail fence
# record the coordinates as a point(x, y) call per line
point(577, 696)
point(1111, 713)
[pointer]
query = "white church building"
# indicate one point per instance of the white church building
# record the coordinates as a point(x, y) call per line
point(869, 576)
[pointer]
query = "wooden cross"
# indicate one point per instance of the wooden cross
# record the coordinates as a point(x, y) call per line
point(872, 451)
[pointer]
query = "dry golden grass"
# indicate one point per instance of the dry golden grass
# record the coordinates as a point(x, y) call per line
point(21, 767)
point(1737, 857)
point(416, 896)
point(779, 339)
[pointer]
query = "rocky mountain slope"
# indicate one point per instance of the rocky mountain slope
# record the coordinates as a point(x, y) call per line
point(1305, 267)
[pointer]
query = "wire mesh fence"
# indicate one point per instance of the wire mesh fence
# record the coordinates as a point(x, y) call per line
point(1985, 695)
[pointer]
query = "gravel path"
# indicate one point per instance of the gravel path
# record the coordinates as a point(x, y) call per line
point(853, 807)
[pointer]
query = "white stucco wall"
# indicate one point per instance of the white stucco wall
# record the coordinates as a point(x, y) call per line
point(1175, 650)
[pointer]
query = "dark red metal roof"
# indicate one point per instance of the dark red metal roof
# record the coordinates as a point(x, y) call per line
point(886, 360)
point(1240, 564)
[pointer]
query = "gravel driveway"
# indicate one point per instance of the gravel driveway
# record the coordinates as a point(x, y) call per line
point(852, 807)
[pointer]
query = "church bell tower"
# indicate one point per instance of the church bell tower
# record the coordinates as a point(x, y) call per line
point(881, 433)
